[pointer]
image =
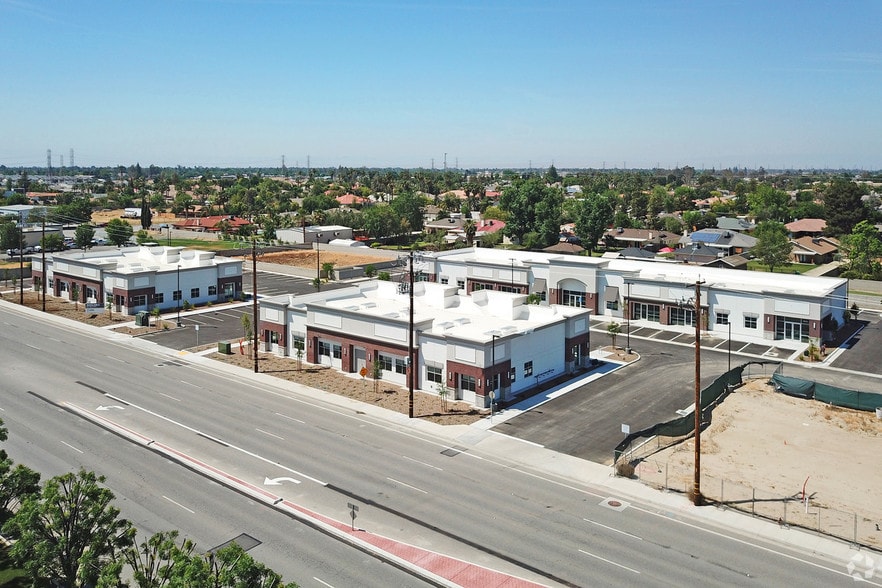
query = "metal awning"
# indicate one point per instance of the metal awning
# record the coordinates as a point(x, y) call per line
point(611, 294)
point(539, 285)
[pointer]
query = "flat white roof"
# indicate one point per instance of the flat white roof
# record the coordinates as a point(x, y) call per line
point(132, 260)
point(671, 273)
point(477, 317)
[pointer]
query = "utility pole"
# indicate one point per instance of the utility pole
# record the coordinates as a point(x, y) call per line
point(411, 367)
point(696, 484)
point(254, 294)
point(43, 260)
point(20, 258)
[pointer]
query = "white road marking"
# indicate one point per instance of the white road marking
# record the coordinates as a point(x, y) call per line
point(609, 561)
point(743, 542)
point(428, 465)
point(169, 396)
point(322, 582)
point(92, 368)
point(116, 359)
point(270, 434)
point(240, 449)
point(72, 447)
point(189, 384)
point(407, 485)
point(613, 529)
point(32, 346)
point(284, 416)
point(179, 504)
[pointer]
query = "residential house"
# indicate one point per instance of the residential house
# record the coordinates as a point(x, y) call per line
point(816, 250)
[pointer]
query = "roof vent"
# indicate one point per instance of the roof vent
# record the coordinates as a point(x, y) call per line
point(620, 230)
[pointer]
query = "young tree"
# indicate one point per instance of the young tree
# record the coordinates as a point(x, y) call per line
point(298, 353)
point(75, 295)
point(70, 531)
point(772, 244)
point(328, 269)
point(370, 270)
point(52, 242)
point(613, 329)
point(83, 236)
point(376, 373)
point(443, 394)
point(118, 231)
point(156, 312)
point(248, 330)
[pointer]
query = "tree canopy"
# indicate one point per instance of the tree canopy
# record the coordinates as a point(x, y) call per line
point(69, 531)
point(844, 207)
point(863, 249)
point(593, 215)
point(119, 231)
point(772, 244)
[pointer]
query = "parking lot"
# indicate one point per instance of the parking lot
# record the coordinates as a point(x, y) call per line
point(587, 422)
point(224, 322)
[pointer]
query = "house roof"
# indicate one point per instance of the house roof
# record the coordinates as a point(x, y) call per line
point(820, 246)
point(564, 247)
point(734, 224)
point(719, 238)
point(807, 225)
point(446, 224)
point(209, 223)
point(636, 252)
point(350, 199)
point(641, 235)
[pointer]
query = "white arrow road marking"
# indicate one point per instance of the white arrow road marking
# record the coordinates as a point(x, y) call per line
point(278, 481)
point(102, 407)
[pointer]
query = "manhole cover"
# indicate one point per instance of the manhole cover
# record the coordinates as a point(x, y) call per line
point(614, 504)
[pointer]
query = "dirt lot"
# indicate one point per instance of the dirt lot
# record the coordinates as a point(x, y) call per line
point(308, 258)
point(772, 442)
point(101, 218)
point(383, 394)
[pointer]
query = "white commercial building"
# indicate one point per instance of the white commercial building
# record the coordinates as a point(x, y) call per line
point(751, 306)
point(473, 345)
point(136, 279)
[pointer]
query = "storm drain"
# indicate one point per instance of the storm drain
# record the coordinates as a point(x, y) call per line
point(453, 451)
point(245, 541)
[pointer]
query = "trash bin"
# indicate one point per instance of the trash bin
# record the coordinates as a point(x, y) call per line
point(142, 319)
point(224, 347)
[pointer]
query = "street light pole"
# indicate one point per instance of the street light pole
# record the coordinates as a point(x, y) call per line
point(318, 264)
point(493, 364)
point(628, 319)
point(411, 367)
point(512, 259)
point(255, 313)
point(179, 295)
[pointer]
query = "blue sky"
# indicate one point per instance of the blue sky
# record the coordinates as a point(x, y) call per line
point(493, 83)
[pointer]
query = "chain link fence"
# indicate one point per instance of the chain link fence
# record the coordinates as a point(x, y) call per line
point(790, 511)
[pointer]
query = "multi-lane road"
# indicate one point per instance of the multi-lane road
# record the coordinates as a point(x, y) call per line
point(463, 492)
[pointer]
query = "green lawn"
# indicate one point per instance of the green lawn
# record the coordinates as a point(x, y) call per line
point(787, 268)
point(205, 244)
point(11, 577)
